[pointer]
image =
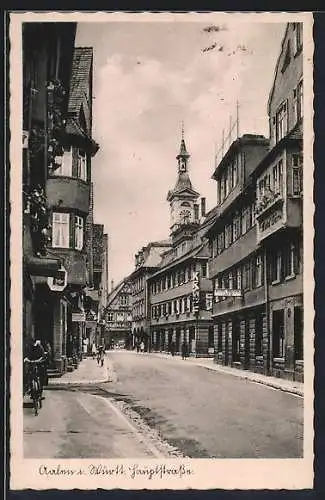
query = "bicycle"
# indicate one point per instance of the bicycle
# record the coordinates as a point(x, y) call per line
point(34, 383)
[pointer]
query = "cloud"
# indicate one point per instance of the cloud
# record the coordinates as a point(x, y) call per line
point(141, 99)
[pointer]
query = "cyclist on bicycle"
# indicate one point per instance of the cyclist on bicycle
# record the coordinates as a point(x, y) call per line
point(37, 355)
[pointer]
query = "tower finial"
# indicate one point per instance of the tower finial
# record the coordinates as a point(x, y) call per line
point(182, 130)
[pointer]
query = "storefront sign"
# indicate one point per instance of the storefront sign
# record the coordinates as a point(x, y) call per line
point(58, 282)
point(78, 317)
point(196, 292)
point(271, 220)
point(227, 292)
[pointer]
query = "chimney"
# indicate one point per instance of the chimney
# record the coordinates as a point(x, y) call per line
point(196, 212)
point(202, 207)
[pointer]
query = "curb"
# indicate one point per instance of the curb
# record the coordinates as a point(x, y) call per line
point(59, 382)
point(268, 383)
point(243, 376)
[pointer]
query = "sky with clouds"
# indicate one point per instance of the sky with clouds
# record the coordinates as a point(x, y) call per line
point(148, 77)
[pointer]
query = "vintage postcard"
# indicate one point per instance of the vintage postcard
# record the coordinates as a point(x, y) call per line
point(161, 190)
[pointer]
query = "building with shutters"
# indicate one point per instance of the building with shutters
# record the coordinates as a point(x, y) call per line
point(179, 290)
point(69, 148)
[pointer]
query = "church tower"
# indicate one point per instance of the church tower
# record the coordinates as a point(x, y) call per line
point(182, 199)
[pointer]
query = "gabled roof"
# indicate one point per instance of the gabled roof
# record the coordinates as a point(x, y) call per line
point(73, 129)
point(199, 252)
point(82, 61)
point(114, 293)
point(183, 184)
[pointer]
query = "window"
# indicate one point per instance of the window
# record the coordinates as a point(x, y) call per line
point(296, 175)
point(204, 269)
point(65, 169)
point(282, 122)
point(221, 242)
point(110, 317)
point(297, 27)
point(230, 280)
point(246, 276)
point(275, 263)
point(298, 102)
point(258, 271)
point(289, 261)
point(124, 300)
point(239, 278)
point(237, 228)
point(287, 57)
point(78, 233)
point(82, 166)
point(228, 235)
point(234, 172)
point(60, 230)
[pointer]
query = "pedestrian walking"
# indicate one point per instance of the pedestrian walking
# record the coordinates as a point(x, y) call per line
point(142, 346)
point(172, 348)
point(184, 350)
point(138, 346)
point(93, 350)
point(101, 355)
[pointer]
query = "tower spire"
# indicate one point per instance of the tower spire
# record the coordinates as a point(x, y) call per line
point(182, 130)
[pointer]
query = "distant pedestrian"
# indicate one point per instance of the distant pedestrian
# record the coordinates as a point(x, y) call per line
point(142, 346)
point(93, 350)
point(184, 350)
point(172, 348)
point(138, 346)
point(102, 356)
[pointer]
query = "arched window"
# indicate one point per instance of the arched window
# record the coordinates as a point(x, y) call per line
point(185, 204)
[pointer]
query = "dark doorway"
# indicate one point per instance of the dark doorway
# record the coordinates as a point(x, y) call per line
point(236, 340)
point(298, 333)
point(278, 333)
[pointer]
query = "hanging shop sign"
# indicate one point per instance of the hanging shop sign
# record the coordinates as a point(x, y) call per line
point(58, 282)
point(78, 317)
point(227, 292)
point(196, 292)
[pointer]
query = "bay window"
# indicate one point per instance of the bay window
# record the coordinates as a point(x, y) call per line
point(67, 231)
point(65, 168)
point(60, 230)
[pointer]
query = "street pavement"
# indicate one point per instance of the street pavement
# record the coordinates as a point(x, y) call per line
point(152, 405)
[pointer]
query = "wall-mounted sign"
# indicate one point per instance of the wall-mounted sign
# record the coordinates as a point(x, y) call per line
point(227, 292)
point(78, 317)
point(196, 292)
point(270, 221)
point(58, 282)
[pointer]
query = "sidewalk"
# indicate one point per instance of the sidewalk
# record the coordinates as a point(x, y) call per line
point(88, 372)
point(277, 383)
